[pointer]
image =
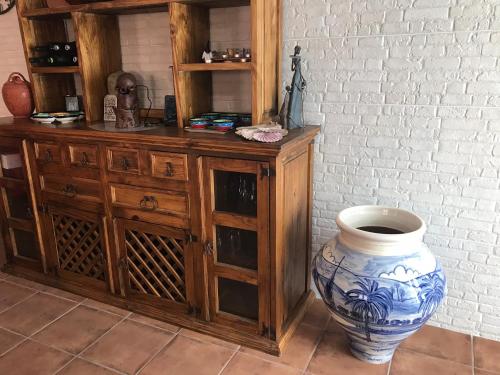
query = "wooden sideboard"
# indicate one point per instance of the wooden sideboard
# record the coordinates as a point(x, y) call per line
point(212, 233)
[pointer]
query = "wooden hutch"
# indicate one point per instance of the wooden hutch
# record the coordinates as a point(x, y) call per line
point(210, 232)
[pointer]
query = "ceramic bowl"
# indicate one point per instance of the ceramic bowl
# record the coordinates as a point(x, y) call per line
point(211, 116)
point(199, 123)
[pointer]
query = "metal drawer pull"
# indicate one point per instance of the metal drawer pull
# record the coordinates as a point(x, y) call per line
point(48, 156)
point(125, 164)
point(169, 172)
point(69, 190)
point(148, 203)
point(84, 161)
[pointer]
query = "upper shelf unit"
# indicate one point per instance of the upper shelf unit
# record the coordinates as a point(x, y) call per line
point(40, 10)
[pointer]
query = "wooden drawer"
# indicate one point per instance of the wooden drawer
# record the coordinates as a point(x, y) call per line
point(168, 165)
point(84, 156)
point(74, 188)
point(123, 160)
point(168, 207)
point(48, 153)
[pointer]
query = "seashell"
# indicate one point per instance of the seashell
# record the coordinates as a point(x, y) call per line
point(267, 136)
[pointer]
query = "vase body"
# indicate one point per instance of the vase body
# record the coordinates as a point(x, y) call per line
point(16, 93)
point(380, 287)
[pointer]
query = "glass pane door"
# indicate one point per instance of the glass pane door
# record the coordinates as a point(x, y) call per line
point(237, 240)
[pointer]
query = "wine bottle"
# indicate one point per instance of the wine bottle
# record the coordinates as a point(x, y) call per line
point(54, 60)
point(65, 47)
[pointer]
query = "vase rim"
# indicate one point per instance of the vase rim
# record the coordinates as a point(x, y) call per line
point(411, 226)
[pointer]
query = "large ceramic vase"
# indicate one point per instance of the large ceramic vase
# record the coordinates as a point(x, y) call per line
point(379, 280)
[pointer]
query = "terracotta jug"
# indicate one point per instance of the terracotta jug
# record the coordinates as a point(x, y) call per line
point(16, 93)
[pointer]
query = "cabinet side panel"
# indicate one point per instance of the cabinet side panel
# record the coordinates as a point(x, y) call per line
point(295, 221)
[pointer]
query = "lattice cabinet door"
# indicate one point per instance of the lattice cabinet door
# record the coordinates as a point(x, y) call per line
point(78, 244)
point(156, 264)
point(236, 242)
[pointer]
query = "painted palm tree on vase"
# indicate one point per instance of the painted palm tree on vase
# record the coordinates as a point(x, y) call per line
point(432, 292)
point(370, 302)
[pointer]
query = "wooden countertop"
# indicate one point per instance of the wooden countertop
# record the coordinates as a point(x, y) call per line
point(162, 136)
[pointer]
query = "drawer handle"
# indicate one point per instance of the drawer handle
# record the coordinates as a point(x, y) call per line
point(48, 156)
point(148, 203)
point(69, 190)
point(208, 248)
point(169, 172)
point(84, 161)
point(125, 164)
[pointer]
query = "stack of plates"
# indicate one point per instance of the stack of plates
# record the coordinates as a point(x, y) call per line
point(57, 117)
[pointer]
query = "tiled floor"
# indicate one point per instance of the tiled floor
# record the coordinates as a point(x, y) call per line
point(47, 331)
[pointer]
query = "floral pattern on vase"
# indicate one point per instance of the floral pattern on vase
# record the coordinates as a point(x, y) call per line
point(379, 300)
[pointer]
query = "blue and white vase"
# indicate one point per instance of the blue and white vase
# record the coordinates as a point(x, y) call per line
point(379, 280)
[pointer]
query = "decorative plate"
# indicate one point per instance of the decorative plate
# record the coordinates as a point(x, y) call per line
point(6, 5)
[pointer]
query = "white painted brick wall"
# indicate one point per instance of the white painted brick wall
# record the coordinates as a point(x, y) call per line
point(407, 93)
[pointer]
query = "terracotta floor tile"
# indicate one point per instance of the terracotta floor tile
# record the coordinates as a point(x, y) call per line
point(11, 294)
point(8, 340)
point(62, 293)
point(478, 371)
point(334, 327)
point(299, 349)
point(441, 343)
point(334, 357)
point(406, 362)
point(189, 357)
point(31, 358)
point(153, 322)
point(105, 307)
point(209, 339)
point(77, 329)
point(34, 313)
point(317, 314)
point(486, 354)
point(244, 364)
point(81, 367)
point(128, 346)
point(24, 282)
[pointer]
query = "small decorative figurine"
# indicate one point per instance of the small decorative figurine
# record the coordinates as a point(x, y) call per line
point(127, 109)
point(110, 100)
point(291, 115)
point(110, 103)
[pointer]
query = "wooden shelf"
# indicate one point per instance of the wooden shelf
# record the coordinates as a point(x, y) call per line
point(202, 67)
point(55, 69)
point(107, 7)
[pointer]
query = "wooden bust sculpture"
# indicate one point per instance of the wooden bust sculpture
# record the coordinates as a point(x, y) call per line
point(127, 110)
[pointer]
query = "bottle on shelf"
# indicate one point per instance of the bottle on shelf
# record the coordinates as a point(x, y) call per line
point(64, 47)
point(54, 60)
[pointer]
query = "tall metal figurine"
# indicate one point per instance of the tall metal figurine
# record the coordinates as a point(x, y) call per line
point(291, 115)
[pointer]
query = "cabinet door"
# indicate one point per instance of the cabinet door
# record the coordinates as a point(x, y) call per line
point(16, 207)
point(155, 264)
point(236, 204)
point(78, 246)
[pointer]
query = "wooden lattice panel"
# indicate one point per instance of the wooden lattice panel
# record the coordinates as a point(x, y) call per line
point(156, 265)
point(79, 246)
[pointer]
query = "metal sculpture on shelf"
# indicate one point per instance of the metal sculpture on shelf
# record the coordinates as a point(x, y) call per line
point(127, 109)
point(291, 115)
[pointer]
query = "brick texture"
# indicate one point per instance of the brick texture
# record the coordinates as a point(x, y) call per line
point(407, 93)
